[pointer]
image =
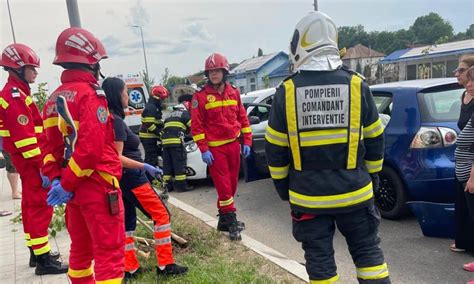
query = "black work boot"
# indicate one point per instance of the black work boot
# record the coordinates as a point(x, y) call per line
point(182, 186)
point(32, 262)
point(172, 270)
point(223, 223)
point(132, 275)
point(234, 229)
point(46, 264)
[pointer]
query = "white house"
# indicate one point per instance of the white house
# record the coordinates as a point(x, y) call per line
point(431, 61)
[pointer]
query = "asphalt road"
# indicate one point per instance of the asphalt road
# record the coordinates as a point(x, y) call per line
point(412, 258)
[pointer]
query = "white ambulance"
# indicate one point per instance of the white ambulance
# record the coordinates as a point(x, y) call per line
point(137, 98)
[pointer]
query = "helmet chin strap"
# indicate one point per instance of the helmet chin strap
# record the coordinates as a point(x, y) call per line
point(21, 74)
point(97, 72)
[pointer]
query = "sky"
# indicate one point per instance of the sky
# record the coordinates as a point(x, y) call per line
point(179, 35)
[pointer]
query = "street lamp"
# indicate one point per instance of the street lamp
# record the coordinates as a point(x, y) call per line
point(11, 21)
point(144, 53)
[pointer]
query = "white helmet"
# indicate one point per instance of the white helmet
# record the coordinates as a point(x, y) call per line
point(315, 41)
point(179, 107)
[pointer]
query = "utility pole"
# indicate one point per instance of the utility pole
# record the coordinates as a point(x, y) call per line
point(315, 5)
point(73, 12)
point(11, 21)
point(144, 53)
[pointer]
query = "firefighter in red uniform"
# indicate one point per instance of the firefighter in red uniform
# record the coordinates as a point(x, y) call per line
point(218, 120)
point(84, 165)
point(21, 127)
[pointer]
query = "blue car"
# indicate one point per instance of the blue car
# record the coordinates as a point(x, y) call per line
point(420, 119)
point(420, 136)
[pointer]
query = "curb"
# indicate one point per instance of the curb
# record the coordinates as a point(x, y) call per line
point(268, 253)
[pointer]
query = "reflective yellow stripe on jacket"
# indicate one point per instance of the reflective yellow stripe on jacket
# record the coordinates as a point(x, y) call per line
point(76, 169)
point(373, 130)
point(332, 201)
point(275, 137)
point(323, 137)
point(224, 103)
point(199, 137)
point(175, 124)
point(354, 129)
point(292, 123)
point(279, 172)
point(220, 142)
point(26, 142)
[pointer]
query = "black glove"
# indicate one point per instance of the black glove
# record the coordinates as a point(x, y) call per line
point(375, 181)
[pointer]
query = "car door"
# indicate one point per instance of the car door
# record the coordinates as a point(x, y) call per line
point(255, 166)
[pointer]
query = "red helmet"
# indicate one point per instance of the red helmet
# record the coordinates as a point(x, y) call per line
point(76, 45)
point(159, 92)
point(18, 55)
point(216, 61)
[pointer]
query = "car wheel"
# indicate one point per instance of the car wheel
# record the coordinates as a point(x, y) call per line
point(390, 197)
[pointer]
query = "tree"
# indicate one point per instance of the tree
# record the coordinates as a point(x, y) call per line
point(260, 52)
point(149, 82)
point(41, 96)
point(358, 68)
point(368, 72)
point(469, 34)
point(430, 28)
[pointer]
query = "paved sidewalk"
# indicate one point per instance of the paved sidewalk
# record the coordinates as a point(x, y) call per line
point(14, 255)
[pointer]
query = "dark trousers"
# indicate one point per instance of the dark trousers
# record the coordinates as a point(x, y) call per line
point(174, 165)
point(463, 220)
point(360, 228)
point(152, 150)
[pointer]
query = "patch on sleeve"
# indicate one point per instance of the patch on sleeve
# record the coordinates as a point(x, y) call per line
point(15, 93)
point(22, 119)
point(102, 114)
point(195, 103)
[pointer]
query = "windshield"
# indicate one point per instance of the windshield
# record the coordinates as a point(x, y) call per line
point(442, 105)
point(247, 100)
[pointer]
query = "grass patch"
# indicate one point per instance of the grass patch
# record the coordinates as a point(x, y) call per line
point(211, 257)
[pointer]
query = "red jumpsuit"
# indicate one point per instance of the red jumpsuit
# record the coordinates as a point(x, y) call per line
point(93, 170)
point(218, 120)
point(21, 127)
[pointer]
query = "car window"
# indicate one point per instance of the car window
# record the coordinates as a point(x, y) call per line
point(247, 100)
point(261, 112)
point(268, 100)
point(443, 105)
point(383, 102)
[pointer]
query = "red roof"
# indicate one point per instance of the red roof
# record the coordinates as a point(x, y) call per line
point(361, 51)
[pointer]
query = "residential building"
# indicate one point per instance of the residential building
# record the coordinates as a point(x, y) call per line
point(254, 73)
point(431, 61)
point(364, 60)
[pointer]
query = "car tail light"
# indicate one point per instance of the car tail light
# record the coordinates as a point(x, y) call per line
point(433, 137)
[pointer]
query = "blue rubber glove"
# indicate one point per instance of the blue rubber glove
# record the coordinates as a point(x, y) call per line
point(246, 151)
point(153, 171)
point(207, 157)
point(55, 182)
point(57, 195)
point(45, 181)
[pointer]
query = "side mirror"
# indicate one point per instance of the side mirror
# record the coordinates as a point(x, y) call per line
point(254, 120)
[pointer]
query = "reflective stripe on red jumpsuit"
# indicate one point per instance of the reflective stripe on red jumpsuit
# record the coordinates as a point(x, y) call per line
point(95, 233)
point(22, 129)
point(218, 120)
